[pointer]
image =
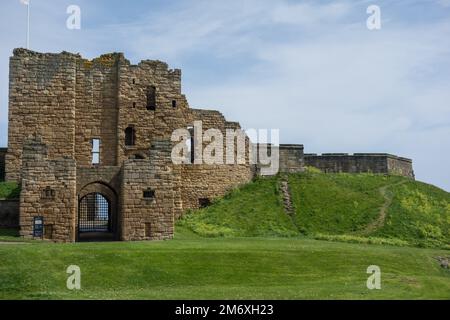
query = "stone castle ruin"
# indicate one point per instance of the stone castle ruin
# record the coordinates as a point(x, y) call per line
point(89, 141)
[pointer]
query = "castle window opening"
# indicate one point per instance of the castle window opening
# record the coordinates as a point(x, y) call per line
point(134, 104)
point(95, 151)
point(190, 144)
point(48, 193)
point(204, 202)
point(151, 98)
point(149, 194)
point(130, 136)
point(174, 103)
point(137, 156)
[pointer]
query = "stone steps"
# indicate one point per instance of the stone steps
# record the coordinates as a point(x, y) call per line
point(287, 199)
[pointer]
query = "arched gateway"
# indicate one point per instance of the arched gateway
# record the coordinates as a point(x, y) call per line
point(97, 213)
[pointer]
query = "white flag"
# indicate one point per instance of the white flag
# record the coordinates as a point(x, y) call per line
point(25, 2)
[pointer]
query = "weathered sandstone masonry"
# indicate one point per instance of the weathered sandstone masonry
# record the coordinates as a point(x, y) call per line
point(291, 158)
point(90, 143)
point(48, 190)
point(153, 217)
point(361, 162)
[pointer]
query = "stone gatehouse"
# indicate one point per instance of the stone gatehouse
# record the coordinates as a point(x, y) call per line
point(90, 143)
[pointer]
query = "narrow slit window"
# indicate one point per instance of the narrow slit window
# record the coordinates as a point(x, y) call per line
point(151, 98)
point(95, 151)
point(130, 136)
point(174, 103)
point(190, 144)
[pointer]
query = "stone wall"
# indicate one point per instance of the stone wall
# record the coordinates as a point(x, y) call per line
point(9, 213)
point(148, 198)
point(41, 101)
point(97, 109)
point(400, 166)
point(48, 190)
point(2, 163)
point(361, 162)
point(154, 122)
point(202, 183)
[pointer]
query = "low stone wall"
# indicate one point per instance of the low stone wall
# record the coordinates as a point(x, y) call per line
point(291, 158)
point(361, 162)
point(9, 213)
point(2, 163)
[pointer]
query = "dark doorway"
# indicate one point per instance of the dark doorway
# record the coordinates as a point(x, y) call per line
point(94, 218)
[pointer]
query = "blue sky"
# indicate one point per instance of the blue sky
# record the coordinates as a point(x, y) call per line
point(310, 68)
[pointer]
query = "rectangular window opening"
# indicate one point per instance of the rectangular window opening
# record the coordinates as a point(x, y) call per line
point(151, 98)
point(149, 194)
point(95, 151)
point(190, 144)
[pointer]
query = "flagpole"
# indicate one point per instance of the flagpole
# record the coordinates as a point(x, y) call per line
point(28, 25)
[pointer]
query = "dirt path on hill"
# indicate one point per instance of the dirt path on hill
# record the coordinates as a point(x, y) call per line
point(379, 221)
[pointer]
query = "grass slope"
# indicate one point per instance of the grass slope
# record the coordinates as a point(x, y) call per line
point(253, 210)
point(350, 207)
point(220, 268)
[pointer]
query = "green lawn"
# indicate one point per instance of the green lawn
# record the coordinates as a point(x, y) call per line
point(190, 267)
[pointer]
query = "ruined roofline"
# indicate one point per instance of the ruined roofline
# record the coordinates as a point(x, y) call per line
point(113, 56)
point(205, 112)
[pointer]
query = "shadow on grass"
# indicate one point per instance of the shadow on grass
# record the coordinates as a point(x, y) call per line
point(10, 235)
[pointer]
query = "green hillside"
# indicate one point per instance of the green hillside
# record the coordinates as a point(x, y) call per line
point(348, 207)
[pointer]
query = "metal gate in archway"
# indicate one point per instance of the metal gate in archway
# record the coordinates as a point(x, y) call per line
point(94, 213)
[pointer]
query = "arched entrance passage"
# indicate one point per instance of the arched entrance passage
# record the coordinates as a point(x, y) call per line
point(97, 213)
point(94, 213)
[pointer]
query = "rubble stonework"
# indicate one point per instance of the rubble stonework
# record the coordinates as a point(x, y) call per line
point(60, 105)
point(49, 191)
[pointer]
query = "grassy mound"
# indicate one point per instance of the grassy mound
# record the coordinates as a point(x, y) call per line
point(9, 190)
point(252, 210)
point(365, 208)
